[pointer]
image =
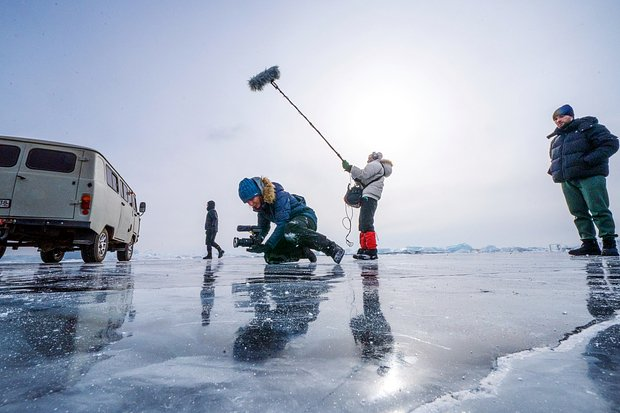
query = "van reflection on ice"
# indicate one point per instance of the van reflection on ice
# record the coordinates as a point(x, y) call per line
point(57, 323)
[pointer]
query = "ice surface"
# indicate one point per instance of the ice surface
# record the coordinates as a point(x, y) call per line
point(532, 331)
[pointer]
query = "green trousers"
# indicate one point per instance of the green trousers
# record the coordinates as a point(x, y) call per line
point(300, 232)
point(588, 202)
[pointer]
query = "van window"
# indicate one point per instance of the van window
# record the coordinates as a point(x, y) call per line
point(124, 191)
point(111, 178)
point(8, 155)
point(50, 160)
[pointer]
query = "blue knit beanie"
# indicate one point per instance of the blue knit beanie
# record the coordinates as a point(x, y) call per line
point(563, 111)
point(248, 189)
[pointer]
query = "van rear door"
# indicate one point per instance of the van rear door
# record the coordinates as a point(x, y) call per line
point(47, 182)
point(125, 221)
point(10, 156)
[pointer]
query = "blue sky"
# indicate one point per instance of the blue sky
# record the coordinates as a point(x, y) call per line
point(458, 94)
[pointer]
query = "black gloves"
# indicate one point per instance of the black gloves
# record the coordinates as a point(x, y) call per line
point(259, 248)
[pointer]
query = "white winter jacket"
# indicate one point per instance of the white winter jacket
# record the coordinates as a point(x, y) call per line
point(374, 169)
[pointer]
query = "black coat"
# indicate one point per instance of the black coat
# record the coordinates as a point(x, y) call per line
point(580, 150)
point(211, 220)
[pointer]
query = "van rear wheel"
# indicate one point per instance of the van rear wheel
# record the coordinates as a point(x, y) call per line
point(52, 256)
point(127, 253)
point(96, 252)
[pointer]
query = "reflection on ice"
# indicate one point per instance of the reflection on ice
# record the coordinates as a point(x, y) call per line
point(207, 293)
point(604, 282)
point(603, 350)
point(557, 379)
point(405, 333)
point(284, 302)
point(373, 335)
point(59, 320)
point(370, 329)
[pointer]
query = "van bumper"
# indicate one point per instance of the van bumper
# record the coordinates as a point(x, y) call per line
point(33, 231)
point(55, 223)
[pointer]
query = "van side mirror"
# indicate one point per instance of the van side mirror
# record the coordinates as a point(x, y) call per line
point(142, 207)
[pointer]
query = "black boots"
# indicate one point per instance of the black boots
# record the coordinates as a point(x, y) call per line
point(336, 252)
point(365, 254)
point(588, 247)
point(609, 247)
point(308, 253)
point(209, 256)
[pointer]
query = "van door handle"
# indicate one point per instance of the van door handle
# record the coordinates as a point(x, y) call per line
point(122, 203)
point(21, 177)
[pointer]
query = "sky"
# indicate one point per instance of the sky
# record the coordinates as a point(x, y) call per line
point(459, 95)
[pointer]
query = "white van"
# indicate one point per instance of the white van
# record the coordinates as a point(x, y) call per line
point(60, 197)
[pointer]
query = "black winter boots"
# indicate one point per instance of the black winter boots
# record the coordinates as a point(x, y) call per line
point(336, 252)
point(609, 247)
point(308, 253)
point(366, 254)
point(209, 256)
point(591, 247)
point(588, 247)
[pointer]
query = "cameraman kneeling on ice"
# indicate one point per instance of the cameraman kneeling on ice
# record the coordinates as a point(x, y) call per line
point(295, 234)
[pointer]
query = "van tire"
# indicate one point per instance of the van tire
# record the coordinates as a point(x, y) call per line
point(96, 251)
point(126, 253)
point(2, 250)
point(52, 256)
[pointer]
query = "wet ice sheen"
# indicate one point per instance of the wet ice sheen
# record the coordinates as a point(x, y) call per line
point(450, 332)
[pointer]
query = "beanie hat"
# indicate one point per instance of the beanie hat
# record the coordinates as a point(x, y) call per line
point(376, 155)
point(563, 111)
point(248, 189)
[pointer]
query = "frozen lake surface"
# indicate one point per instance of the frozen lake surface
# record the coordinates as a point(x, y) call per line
point(496, 332)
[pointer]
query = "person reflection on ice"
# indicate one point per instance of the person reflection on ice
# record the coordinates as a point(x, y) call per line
point(283, 308)
point(371, 331)
point(603, 351)
point(207, 293)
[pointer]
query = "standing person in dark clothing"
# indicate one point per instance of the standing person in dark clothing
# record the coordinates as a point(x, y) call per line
point(371, 177)
point(580, 152)
point(211, 231)
point(295, 234)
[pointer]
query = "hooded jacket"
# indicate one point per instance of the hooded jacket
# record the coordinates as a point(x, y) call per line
point(211, 220)
point(279, 207)
point(379, 168)
point(581, 149)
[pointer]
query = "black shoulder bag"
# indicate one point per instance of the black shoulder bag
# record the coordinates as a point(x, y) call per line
point(353, 196)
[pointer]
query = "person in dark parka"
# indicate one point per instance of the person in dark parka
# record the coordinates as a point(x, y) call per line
point(211, 232)
point(580, 152)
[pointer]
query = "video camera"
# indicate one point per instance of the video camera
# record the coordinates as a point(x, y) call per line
point(254, 239)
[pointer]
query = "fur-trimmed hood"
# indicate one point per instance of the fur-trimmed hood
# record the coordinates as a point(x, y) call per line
point(387, 167)
point(267, 188)
point(251, 187)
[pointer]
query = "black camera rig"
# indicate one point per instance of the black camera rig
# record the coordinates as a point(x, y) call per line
point(253, 239)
